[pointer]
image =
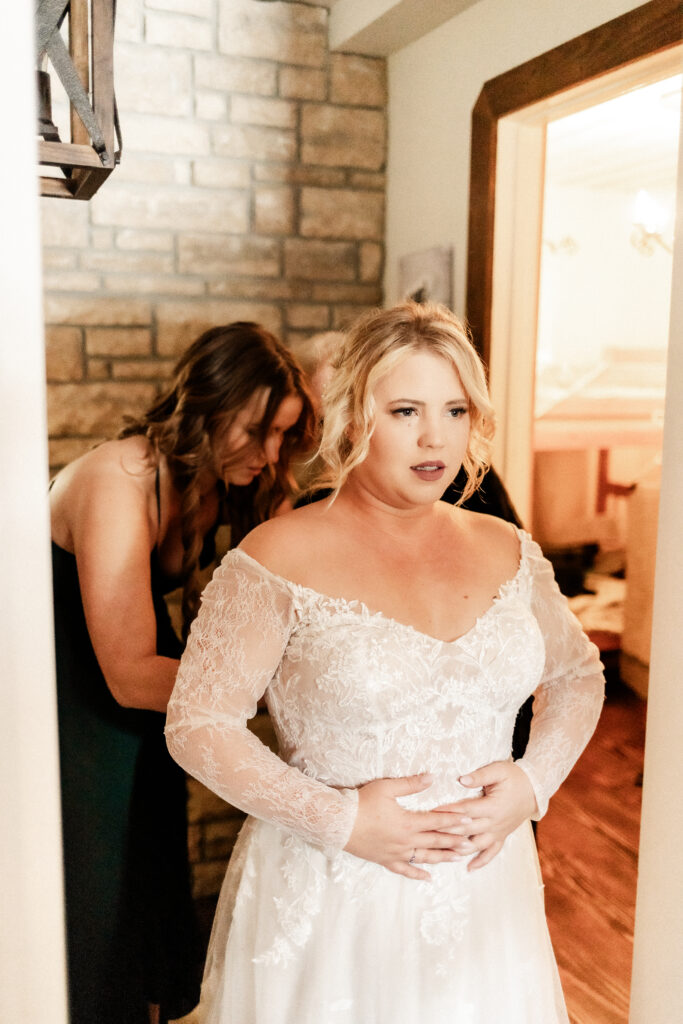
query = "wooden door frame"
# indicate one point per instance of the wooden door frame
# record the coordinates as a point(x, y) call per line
point(643, 32)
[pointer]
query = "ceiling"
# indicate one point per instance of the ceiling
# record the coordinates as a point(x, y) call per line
point(628, 143)
point(381, 27)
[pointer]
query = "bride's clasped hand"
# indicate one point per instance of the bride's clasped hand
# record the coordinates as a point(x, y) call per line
point(475, 828)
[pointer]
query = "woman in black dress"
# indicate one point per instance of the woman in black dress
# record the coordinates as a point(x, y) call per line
point(131, 520)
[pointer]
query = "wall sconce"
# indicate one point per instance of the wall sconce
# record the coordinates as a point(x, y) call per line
point(566, 246)
point(85, 67)
point(649, 219)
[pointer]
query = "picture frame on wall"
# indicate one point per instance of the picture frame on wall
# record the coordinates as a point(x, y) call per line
point(427, 276)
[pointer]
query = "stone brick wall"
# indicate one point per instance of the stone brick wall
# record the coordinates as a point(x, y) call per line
point(251, 187)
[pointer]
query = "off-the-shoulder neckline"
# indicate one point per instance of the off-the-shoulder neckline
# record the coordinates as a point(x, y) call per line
point(359, 607)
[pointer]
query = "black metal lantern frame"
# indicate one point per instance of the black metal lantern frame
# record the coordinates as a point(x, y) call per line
point(85, 67)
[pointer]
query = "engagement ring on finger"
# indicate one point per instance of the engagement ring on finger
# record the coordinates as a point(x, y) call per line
point(412, 859)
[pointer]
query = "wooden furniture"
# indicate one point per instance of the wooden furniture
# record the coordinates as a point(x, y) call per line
point(620, 405)
point(641, 552)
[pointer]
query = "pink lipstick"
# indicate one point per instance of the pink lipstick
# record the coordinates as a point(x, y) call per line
point(430, 471)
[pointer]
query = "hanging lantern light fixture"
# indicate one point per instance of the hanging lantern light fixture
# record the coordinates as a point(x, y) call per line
point(75, 38)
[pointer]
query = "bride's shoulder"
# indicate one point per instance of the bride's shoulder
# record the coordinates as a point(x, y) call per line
point(494, 538)
point(285, 542)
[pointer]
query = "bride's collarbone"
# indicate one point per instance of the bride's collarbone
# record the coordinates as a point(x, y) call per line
point(433, 602)
point(438, 585)
point(442, 611)
point(425, 568)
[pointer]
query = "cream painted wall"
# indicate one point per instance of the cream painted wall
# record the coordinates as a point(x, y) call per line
point(32, 974)
point(383, 26)
point(605, 293)
point(657, 981)
point(433, 86)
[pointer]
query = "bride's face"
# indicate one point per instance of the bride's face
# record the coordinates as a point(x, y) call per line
point(421, 432)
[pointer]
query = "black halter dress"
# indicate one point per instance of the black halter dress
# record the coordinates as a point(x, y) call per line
point(131, 935)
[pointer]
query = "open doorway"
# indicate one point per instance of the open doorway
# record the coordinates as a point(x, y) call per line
point(506, 251)
point(578, 360)
point(604, 289)
point(600, 362)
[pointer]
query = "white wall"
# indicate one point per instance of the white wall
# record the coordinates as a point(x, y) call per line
point(605, 294)
point(433, 86)
point(32, 977)
point(657, 982)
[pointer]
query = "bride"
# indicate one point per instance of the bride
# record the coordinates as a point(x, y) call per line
point(387, 873)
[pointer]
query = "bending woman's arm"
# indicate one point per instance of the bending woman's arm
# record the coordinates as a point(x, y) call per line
point(100, 513)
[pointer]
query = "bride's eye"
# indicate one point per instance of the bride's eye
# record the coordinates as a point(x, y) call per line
point(404, 411)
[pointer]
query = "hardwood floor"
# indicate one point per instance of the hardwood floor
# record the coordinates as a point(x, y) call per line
point(588, 847)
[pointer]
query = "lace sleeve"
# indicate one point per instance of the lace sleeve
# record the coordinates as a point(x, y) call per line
point(235, 646)
point(568, 701)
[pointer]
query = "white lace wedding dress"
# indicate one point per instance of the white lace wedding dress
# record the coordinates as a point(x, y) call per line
point(308, 934)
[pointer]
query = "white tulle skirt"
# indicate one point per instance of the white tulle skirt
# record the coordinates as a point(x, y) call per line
point(300, 938)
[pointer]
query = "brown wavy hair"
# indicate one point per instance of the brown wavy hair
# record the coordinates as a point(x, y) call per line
point(212, 381)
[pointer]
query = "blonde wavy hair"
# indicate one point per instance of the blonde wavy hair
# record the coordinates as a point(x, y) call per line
point(375, 345)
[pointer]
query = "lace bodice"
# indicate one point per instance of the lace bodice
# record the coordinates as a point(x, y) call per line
point(357, 696)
